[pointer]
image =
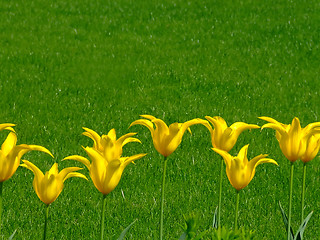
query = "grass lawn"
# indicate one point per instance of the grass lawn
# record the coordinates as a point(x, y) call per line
point(100, 64)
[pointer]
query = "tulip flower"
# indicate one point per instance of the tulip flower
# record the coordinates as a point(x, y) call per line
point(224, 138)
point(107, 165)
point(48, 186)
point(165, 140)
point(10, 155)
point(295, 143)
point(240, 171)
point(292, 138)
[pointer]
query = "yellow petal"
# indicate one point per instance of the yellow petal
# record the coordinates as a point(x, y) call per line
point(123, 140)
point(312, 126)
point(37, 172)
point(295, 137)
point(75, 174)
point(54, 169)
point(161, 128)
point(277, 127)
point(219, 125)
point(271, 120)
point(39, 148)
point(64, 172)
point(242, 155)
point(7, 126)
point(257, 161)
point(133, 158)
point(128, 140)
point(93, 135)
point(97, 167)
point(145, 123)
point(112, 134)
point(81, 159)
point(189, 123)
point(239, 127)
point(150, 117)
point(207, 125)
point(226, 156)
point(9, 143)
point(312, 145)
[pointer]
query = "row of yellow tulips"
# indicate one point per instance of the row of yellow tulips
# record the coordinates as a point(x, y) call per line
point(107, 163)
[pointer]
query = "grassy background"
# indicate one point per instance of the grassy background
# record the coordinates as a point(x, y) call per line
point(100, 64)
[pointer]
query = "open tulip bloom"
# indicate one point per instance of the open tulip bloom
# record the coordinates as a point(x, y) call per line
point(107, 165)
point(10, 155)
point(165, 140)
point(240, 171)
point(296, 143)
point(224, 138)
point(48, 186)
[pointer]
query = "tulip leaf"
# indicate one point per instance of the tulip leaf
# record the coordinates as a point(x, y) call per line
point(124, 232)
point(215, 218)
point(285, 220)
point(12, 235)
point(299, 234)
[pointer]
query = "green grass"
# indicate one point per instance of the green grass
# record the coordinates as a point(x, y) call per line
point(100, 64)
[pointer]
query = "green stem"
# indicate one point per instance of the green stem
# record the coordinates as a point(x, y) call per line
point(104, 203)
point(303, 189)
point(162, 195)
point(236, 212)
point(290, 201)
point(46, 215)
point(1, 184)
point(220, 196)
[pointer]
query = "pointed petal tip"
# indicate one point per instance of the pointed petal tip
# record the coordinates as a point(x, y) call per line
point(295, 120)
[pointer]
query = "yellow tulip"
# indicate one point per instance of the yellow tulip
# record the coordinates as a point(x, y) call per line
point(48, 186)
point(166, 139)
point(10, 155)
point(295, 142)
point(224, 137)
point(107, 165)
point(239, 170)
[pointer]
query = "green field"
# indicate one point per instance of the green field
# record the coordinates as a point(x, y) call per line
point(99, 64)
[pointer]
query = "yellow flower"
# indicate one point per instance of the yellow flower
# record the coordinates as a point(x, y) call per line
point(49, 186)
point(295, 142)
point(107, 165)
point(166, 139)
point(10, 155)
point(239, 170)
point(224, 137)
